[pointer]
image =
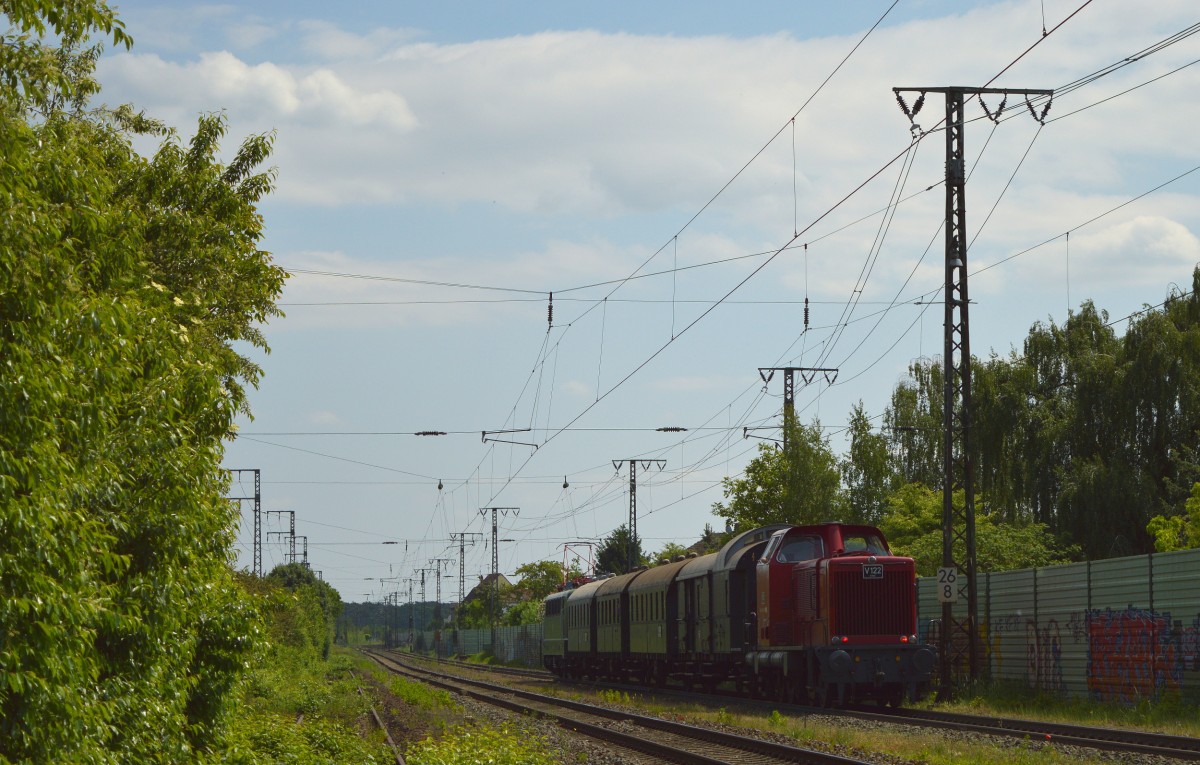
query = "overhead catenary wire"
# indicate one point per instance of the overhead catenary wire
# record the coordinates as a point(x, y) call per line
point(725, 301)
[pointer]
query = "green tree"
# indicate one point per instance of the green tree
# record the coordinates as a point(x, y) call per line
point(1089, 433)
point(669, 552)
point(320, 604)
point(539, 579)
point(799, 485)
point(612, 557)
point(913, 424)
point(525, 612)
point(913, 527)
point(867, 472)
point(712, 540)
point(1178, 532)
point(485, 607)
point(120, 619)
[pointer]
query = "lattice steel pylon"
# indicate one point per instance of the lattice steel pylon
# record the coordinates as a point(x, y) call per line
point(463, 538)
point(959, 636)
point(807, 374)
point(256, 567)
point(631, 561)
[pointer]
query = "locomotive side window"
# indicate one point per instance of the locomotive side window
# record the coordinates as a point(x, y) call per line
point(797, 549)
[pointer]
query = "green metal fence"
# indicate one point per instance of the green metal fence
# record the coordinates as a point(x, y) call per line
point(1122, 629)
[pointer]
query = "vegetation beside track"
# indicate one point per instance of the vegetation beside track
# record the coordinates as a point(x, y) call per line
point(845, 736)
point(1168, 715)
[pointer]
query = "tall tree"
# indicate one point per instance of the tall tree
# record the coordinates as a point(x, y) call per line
point(913, 527)
point(119, 616)
point(867, 472)
point(913, 424)
point(1085, 432)
point(799, 484)
point(612, 557)
point(539, 579)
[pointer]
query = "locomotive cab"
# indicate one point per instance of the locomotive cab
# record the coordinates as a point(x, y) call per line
point(837, 612)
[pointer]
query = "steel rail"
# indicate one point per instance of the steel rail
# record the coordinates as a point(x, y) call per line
point(549, 706)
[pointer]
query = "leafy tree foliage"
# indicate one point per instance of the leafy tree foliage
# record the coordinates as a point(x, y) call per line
point(800, 484)
point(867, 472)
point(122, 631)
point(913, 424)
point(612, 557)
point(670, 551)
point(319, 606)
point(913, 527)
point(539, 579)
point(1083, 431)
point(485, 606)
point(712, 540)
point(525, 612)
point(1178, 532)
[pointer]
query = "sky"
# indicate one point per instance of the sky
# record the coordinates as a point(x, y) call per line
point(681, 176)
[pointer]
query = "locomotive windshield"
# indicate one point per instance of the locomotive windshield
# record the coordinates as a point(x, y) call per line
point(870, 544)
point(796, 549)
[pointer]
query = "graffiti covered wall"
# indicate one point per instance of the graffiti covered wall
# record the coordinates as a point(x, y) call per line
point(1118, 630)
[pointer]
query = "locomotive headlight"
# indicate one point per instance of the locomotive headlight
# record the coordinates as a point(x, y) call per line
point(904, 638)
point(836, 640)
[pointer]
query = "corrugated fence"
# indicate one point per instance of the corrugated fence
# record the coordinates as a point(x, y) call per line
point(522, 645)
point(1122, 629)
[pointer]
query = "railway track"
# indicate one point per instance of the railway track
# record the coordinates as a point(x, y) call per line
point(662, 739)
point(1106, 739)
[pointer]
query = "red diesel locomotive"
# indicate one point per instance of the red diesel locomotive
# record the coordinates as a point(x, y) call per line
point(822, 614)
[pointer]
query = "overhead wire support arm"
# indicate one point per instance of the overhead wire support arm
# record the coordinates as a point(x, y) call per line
point(486, 437)
point(747, 434)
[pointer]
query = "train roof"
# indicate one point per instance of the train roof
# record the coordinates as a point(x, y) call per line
point(659, 577)
point(585, 592)
point(617, 584)
point(697, 566)
point(732, 551)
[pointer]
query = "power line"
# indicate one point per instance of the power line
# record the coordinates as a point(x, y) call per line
point(402, 280)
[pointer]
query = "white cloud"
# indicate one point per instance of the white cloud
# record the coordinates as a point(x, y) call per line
point(325, 418)
point(581, 122)
point(577, 388)
point(1146, 251)
point(261, 93)
point(330, 42)
point(692, 384)
point(580, 126)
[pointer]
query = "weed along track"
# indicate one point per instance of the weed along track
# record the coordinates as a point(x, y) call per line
point(662, 739)
point(1112, 744)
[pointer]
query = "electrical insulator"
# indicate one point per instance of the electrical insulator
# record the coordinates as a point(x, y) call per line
point(439, 484)
point(550, 311)
point(565, 484)
point(806, 313)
